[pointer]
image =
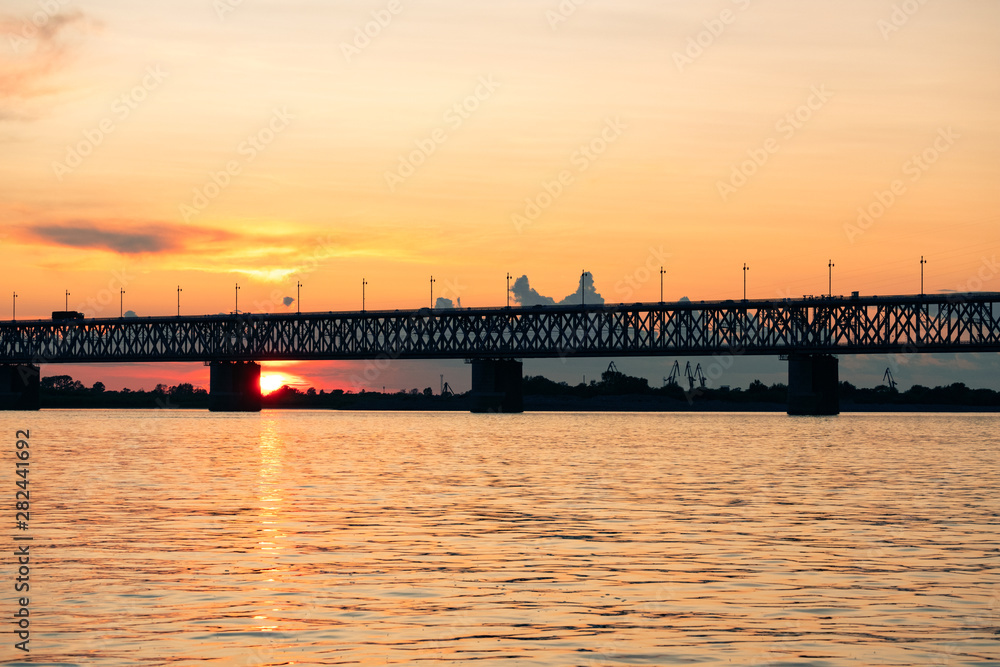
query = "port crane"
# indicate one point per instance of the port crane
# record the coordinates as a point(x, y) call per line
point(887, 377)
point(675, 372)
point(698, 374)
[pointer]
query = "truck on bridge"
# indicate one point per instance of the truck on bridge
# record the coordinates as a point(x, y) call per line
point(66, 315)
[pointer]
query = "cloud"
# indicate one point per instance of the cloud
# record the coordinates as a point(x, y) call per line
point(123, 238)
point(42, 45)
point(270, 253)
point(156, 238)
point(585, 287)
point(525, 295)
point(85, 234)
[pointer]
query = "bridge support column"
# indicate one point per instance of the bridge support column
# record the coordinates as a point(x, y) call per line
point(496, 385)
point(813, 384)
point(234, 386)
point(19, 387)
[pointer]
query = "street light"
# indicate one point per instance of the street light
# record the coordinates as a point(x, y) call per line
point(121, 304)
point(508, 288)
point(922, 262)
point(661, 283)
point(67, 300)
point(363, 283)
point(179, 300)
point(298, 296)
point(745, 269)
point(432, 291)
point(237, 304)
point(830, 266)
point(13, 308)
point(583, 287)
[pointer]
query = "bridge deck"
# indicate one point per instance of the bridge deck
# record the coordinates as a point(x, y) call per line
point(821, 325)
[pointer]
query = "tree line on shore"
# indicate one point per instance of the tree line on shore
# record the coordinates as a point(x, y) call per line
point(64, 391)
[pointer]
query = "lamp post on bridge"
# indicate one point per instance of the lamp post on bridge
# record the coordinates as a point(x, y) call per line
point(237, 303)
point(363, 283)
point(583, 288)
point(432, 291)
point(830, 266)
point(745, 269)
point(179, 301)
point(922, 262)
point(298, 297)
point(508, 288)
point(67, 300)
point(661, 283)
point(13, 309)
point(121, 303)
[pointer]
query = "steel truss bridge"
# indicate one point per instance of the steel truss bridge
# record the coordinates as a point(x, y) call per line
point(823, 325)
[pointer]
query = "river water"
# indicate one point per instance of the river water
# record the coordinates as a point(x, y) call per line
point(338, 538)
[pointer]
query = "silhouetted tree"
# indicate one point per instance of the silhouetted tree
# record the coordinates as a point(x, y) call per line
point(61, 383)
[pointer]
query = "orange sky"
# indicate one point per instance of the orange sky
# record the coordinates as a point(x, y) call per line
point(205, 143)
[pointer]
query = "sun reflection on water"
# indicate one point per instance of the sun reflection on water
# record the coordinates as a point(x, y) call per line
point(564, 540)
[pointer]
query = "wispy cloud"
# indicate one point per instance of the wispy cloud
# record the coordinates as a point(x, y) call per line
point(264, 256)
point(41, 50)
point(132, 239)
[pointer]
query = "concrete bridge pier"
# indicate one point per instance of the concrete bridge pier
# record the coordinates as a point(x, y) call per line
point(813, 384)
point(19, 387)
point(496, 385)
point(234, 386)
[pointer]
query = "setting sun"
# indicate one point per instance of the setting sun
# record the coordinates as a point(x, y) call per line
point(270, 382)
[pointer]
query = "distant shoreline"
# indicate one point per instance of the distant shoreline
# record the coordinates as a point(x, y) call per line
point(616, 392)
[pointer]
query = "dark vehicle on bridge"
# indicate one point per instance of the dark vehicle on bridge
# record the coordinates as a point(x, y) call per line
point(65, 315)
